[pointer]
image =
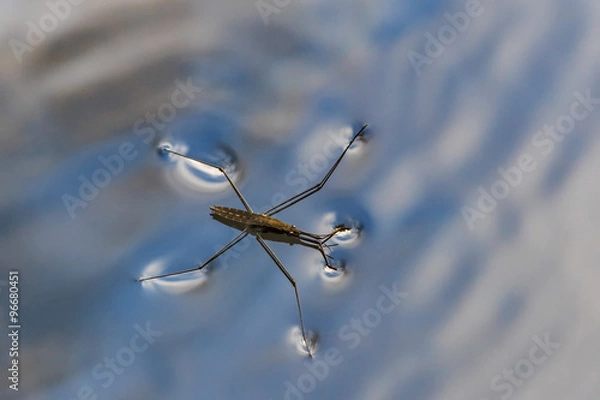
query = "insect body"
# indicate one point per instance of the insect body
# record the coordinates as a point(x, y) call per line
point(253, 221)
point(265, 227)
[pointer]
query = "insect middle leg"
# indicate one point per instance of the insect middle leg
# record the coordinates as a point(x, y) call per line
point(312, 190)
point(293, 282)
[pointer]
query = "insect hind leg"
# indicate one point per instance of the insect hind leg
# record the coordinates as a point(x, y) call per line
point(222, 170)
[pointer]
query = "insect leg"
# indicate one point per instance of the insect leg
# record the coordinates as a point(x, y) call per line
point(228, 246)
point(222, 170)
point(310, 191)
point(318, 245)
point(293, 282)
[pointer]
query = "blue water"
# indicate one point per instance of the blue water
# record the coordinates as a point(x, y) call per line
point(429, 303)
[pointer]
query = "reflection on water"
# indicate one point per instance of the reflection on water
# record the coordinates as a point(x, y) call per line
point(173, 284)
point(338, 277)
point(294, 338)
point(349, 237)
point(197, 176)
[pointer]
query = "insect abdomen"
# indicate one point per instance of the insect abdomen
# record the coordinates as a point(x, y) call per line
point(252, 220)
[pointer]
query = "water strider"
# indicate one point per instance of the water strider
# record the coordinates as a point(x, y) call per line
point(265, 227)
